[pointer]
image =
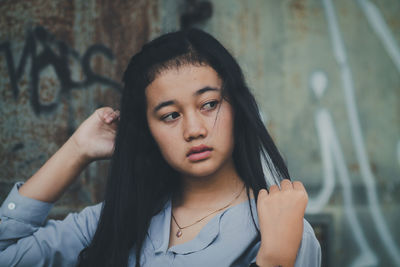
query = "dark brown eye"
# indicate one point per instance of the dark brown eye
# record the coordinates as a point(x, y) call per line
point(170, 117)
point(210, 105)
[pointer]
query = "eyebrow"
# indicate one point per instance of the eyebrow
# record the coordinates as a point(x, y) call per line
point(171, 102)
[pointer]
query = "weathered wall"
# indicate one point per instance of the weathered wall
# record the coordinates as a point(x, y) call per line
point(326, 75)
point(59, 61)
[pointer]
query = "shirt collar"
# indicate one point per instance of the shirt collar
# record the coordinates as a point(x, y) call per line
point(159, 232)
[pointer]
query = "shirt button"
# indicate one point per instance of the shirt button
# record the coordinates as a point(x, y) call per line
point(11, 205)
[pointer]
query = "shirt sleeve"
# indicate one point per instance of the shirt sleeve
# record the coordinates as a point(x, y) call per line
point(309, 254)
point(27, 240)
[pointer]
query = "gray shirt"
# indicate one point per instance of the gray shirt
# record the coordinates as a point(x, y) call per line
point(228, 239)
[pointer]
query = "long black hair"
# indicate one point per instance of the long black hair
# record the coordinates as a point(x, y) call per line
point(140, 180)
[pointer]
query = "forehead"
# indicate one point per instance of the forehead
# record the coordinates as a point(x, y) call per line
point(181, 82)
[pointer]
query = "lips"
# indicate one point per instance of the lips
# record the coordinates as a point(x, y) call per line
point(198, 149)
point(198, 153)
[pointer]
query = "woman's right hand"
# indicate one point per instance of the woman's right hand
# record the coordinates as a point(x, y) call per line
point(280, 215)
point(95, 137)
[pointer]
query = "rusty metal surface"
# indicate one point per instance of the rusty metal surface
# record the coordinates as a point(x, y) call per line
point(59, 61)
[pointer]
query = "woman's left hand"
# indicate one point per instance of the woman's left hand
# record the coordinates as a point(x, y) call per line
point(280, 215)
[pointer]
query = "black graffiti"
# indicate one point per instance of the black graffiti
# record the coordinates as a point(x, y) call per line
point(57, 54)
point(195, 12)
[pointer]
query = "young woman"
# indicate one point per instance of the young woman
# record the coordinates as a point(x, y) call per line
point(186, 185)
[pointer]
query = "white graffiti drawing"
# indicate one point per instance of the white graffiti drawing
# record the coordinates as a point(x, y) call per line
point(333, 157)
point(398, 152)
point(318, 84)
point(356, 134)
point(381, 29)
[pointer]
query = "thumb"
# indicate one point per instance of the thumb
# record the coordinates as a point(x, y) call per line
point(261, 199)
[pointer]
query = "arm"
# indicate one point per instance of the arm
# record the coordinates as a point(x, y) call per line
point(280, 213)
point(94, 139)
point(24, 211)
point(56, 175)
point(55, 243)
point(309, 253)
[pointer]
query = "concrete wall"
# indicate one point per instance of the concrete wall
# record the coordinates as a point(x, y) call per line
point(326, 75)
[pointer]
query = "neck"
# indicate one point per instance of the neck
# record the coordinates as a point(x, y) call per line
point(209, 191)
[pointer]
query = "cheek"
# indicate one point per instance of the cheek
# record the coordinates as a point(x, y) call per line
point(229, 134)
point(227, 122)
point(165, 140)
point(224, 130)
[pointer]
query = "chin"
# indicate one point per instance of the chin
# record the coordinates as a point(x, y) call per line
point(200, 170)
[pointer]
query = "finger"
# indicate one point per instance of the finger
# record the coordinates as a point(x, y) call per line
point(104, 110)
point(286, 184)
point(297, 185)
point(109, 117)
point(116, 115)
point(273, 189)
point(262, 193)
point(103, 113)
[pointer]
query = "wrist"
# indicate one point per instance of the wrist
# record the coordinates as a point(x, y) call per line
point(264, 259)
point(254, 264)
point(77, 152)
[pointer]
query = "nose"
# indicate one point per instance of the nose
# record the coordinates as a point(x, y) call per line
point(194, 127)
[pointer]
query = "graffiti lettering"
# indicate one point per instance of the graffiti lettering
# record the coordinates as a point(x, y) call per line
point(54, 53)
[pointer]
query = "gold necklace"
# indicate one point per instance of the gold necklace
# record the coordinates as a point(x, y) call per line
point(179, 232)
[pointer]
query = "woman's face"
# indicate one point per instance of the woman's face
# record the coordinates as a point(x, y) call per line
point(191, 123)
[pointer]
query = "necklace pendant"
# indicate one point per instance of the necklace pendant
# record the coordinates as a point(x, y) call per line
point(179, 233)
